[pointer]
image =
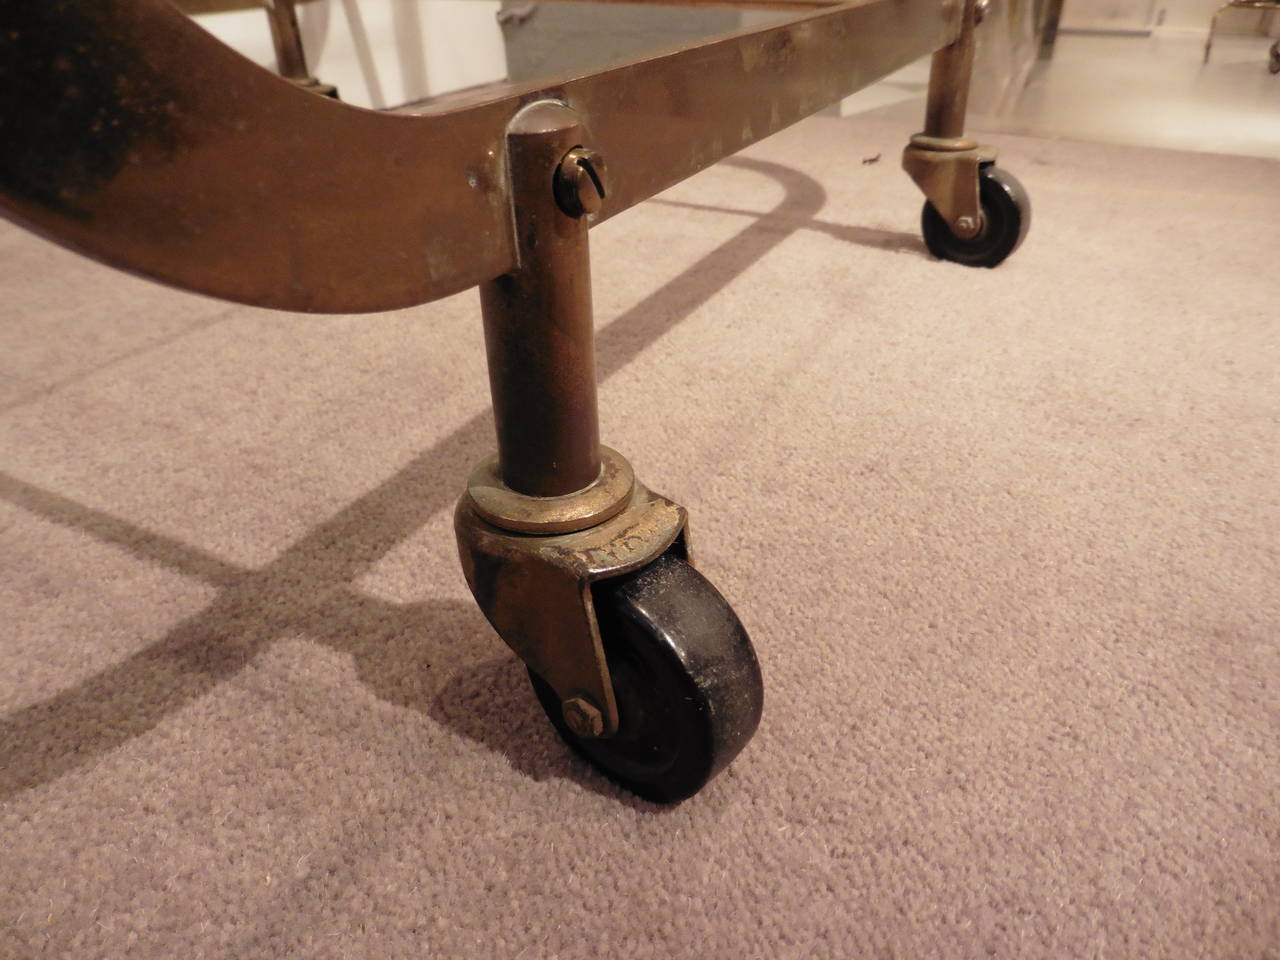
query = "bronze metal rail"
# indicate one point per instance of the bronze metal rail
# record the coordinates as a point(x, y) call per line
point(133, 136)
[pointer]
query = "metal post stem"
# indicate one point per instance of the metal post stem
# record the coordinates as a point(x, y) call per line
point(949, 76)
point(290, 60)
point(537, 322)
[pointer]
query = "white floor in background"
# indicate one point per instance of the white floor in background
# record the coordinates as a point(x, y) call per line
point(1137, 90)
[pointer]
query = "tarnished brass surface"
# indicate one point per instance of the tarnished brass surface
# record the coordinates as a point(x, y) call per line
point(603, 499)
point(581, 182)
point(536, 590)
point(949, 76)
point(134, 136)
point(583, 717)
point(923, 141)
point(948, 177)
point(538, 332)
point(942, 161)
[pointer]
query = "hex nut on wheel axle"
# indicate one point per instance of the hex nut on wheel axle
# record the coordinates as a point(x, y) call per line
point(582, 717)
point(968, 226)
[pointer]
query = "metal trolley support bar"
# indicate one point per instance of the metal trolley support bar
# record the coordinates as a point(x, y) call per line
point(407, 206)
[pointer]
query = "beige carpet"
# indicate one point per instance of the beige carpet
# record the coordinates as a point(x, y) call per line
point(1006, 542)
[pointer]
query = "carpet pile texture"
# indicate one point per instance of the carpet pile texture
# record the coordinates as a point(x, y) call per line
point(1007, 541)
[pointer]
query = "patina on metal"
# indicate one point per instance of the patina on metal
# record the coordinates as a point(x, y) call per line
point(581, 182)
point(134, 136)
point(536, 590)
point(538, 329)
point(583, 717)
point(942, 161)
point(946, 171)
point(554, 511)
point(599, 501)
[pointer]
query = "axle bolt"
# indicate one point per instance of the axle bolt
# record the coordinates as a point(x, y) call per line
point(966, 226)
point(582, 717)
point(580, 182)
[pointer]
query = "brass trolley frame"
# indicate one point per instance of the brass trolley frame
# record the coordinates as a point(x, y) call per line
point(133, 136)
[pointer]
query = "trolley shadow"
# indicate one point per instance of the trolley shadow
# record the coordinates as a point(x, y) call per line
point(307, 589)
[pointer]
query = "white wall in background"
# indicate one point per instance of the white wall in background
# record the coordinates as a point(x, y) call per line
point(1007, 45)
point(1184, 14)
point(382, 53)
point(1190, 16)
point(1119, 15)
point(1167, 16)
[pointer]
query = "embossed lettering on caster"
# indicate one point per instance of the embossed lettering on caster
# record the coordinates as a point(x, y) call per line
point(686, 680)
point(1005, 217)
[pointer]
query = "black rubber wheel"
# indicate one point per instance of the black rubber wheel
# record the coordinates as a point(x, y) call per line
point(1006, 217)
point(686, 678)
point(1273, 63)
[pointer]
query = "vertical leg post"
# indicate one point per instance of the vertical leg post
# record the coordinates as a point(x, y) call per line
point(538, 327)
point(942, 161)
point(291, 61)
point(554, 511)
point(949, 77)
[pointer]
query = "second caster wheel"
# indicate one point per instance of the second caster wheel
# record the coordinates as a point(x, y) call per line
point(686, 679)
point(1006, 216)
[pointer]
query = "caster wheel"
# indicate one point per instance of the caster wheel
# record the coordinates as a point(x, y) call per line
point(1273, 64)
point(1006, 214)
point(685, 676)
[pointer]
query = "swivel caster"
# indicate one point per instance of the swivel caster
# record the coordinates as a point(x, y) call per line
point(640, 663)
point(686, 679)
point(1004, 220)
point(582, 570)
point(974, 213)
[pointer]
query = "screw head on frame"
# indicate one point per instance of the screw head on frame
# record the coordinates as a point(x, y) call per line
point(580, 185)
